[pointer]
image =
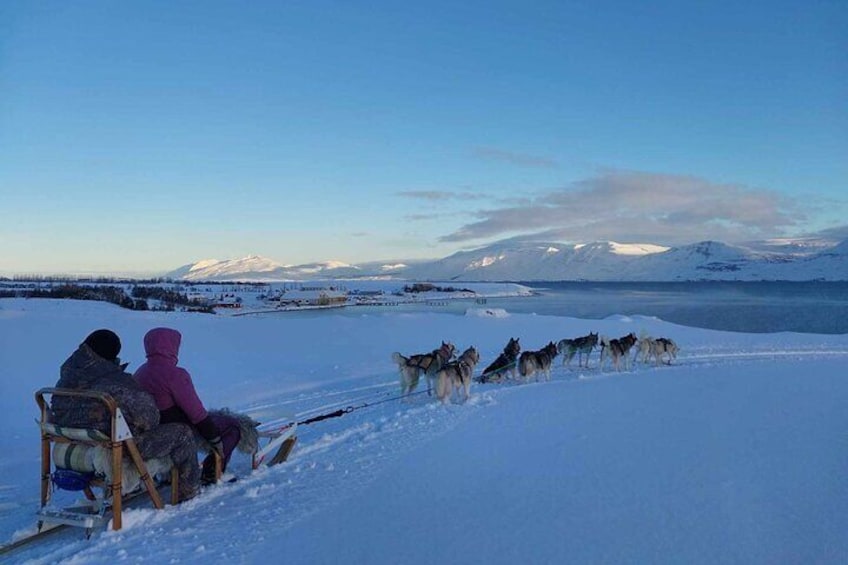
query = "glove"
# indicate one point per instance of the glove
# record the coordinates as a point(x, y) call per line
point(217, 445)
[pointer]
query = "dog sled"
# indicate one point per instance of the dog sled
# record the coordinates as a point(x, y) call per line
point(92, 462)
point(107, 467)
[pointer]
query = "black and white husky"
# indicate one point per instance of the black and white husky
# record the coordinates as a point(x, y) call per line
point(507, 362)
point(578, 345)
point(618, 349)
point(532, 362)
point(411, 368)
point(457, 375)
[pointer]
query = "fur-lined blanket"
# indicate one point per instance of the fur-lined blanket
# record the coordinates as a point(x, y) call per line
point(101, 458)
point(249, 442)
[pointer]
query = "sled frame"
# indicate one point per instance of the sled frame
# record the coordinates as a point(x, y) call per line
point(279, 445)
point(118, 441)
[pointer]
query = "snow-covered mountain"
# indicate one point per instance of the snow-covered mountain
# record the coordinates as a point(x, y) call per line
point(548, 261)
point(536, 261)
point(260, 269)
point(252, 266)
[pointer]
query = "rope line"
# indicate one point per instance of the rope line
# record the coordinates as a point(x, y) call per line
point(347, 410)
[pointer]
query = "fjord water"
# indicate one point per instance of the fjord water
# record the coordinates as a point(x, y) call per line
point(751, 307)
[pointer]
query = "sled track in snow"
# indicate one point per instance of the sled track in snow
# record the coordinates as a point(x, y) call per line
point(334, 455)
point(319, 401)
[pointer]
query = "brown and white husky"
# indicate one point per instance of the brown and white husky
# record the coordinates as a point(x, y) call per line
point(457, 375)
point(532, 362)
point(412, 367)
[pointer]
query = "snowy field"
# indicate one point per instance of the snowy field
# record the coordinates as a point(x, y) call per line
point(737, 453)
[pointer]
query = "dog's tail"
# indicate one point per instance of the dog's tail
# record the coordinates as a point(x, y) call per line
point(523, 364)
point(399, 359)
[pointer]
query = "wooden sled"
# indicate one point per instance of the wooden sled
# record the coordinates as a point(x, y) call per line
point(68, 450)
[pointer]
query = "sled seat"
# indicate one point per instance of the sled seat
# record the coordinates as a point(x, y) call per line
point(74, 453)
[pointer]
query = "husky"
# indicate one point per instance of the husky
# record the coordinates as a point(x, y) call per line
point(578, 345)
point(411, 368)
point(618, 349)
point(532, 362)
point(662, 346)
point(643, 348)
point(505, 363)
point(457, 375)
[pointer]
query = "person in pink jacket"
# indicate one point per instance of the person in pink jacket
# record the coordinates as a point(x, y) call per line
point(177, 400)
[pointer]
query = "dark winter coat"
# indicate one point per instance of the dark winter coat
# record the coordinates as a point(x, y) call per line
point(85, 370)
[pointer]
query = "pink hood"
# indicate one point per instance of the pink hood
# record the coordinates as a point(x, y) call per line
point(164, 343)
point(169, 384)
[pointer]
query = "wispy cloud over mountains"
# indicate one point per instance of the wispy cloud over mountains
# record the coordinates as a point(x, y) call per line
point(640, 206)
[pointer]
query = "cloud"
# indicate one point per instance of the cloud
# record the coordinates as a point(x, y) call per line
point(838, 233)
point(494, 154)
point(639, 206)
point(440, 195)
point(422, 217)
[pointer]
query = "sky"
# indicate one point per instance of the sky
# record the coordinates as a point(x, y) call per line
point(139, 137)
point(735, 453)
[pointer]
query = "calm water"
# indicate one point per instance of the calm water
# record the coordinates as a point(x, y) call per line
point(811, 307)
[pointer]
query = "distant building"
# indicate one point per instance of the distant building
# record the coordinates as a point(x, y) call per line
point(313, 297)
point(227, 300)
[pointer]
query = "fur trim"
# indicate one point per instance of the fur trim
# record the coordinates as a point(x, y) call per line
point(249, 442)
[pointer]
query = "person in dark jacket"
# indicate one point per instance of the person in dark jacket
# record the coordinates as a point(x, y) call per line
point(173, 390)
point(95, 366)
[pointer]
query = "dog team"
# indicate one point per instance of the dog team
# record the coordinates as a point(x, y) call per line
point(446, 375)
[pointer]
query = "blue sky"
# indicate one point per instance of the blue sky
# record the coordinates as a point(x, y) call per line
point(143, 136)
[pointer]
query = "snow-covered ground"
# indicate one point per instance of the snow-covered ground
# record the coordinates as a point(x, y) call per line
point(735, 454)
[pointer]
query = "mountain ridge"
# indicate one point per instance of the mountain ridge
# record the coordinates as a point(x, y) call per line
point(599, 261)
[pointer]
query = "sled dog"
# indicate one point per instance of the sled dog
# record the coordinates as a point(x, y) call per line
point(411, 368)
point(457, 375)
point(532, 362)
point(643, 348)
point(578, 345)
point(618, 349)
point(662, 346)
point(505, 363)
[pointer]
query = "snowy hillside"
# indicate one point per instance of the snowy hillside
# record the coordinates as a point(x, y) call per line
point(610, 261)
point(549, 261)
point(260, 269)
point(536, 261)
point(734, 454)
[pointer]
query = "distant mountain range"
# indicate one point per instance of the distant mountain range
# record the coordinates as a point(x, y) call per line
point(789, 260)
